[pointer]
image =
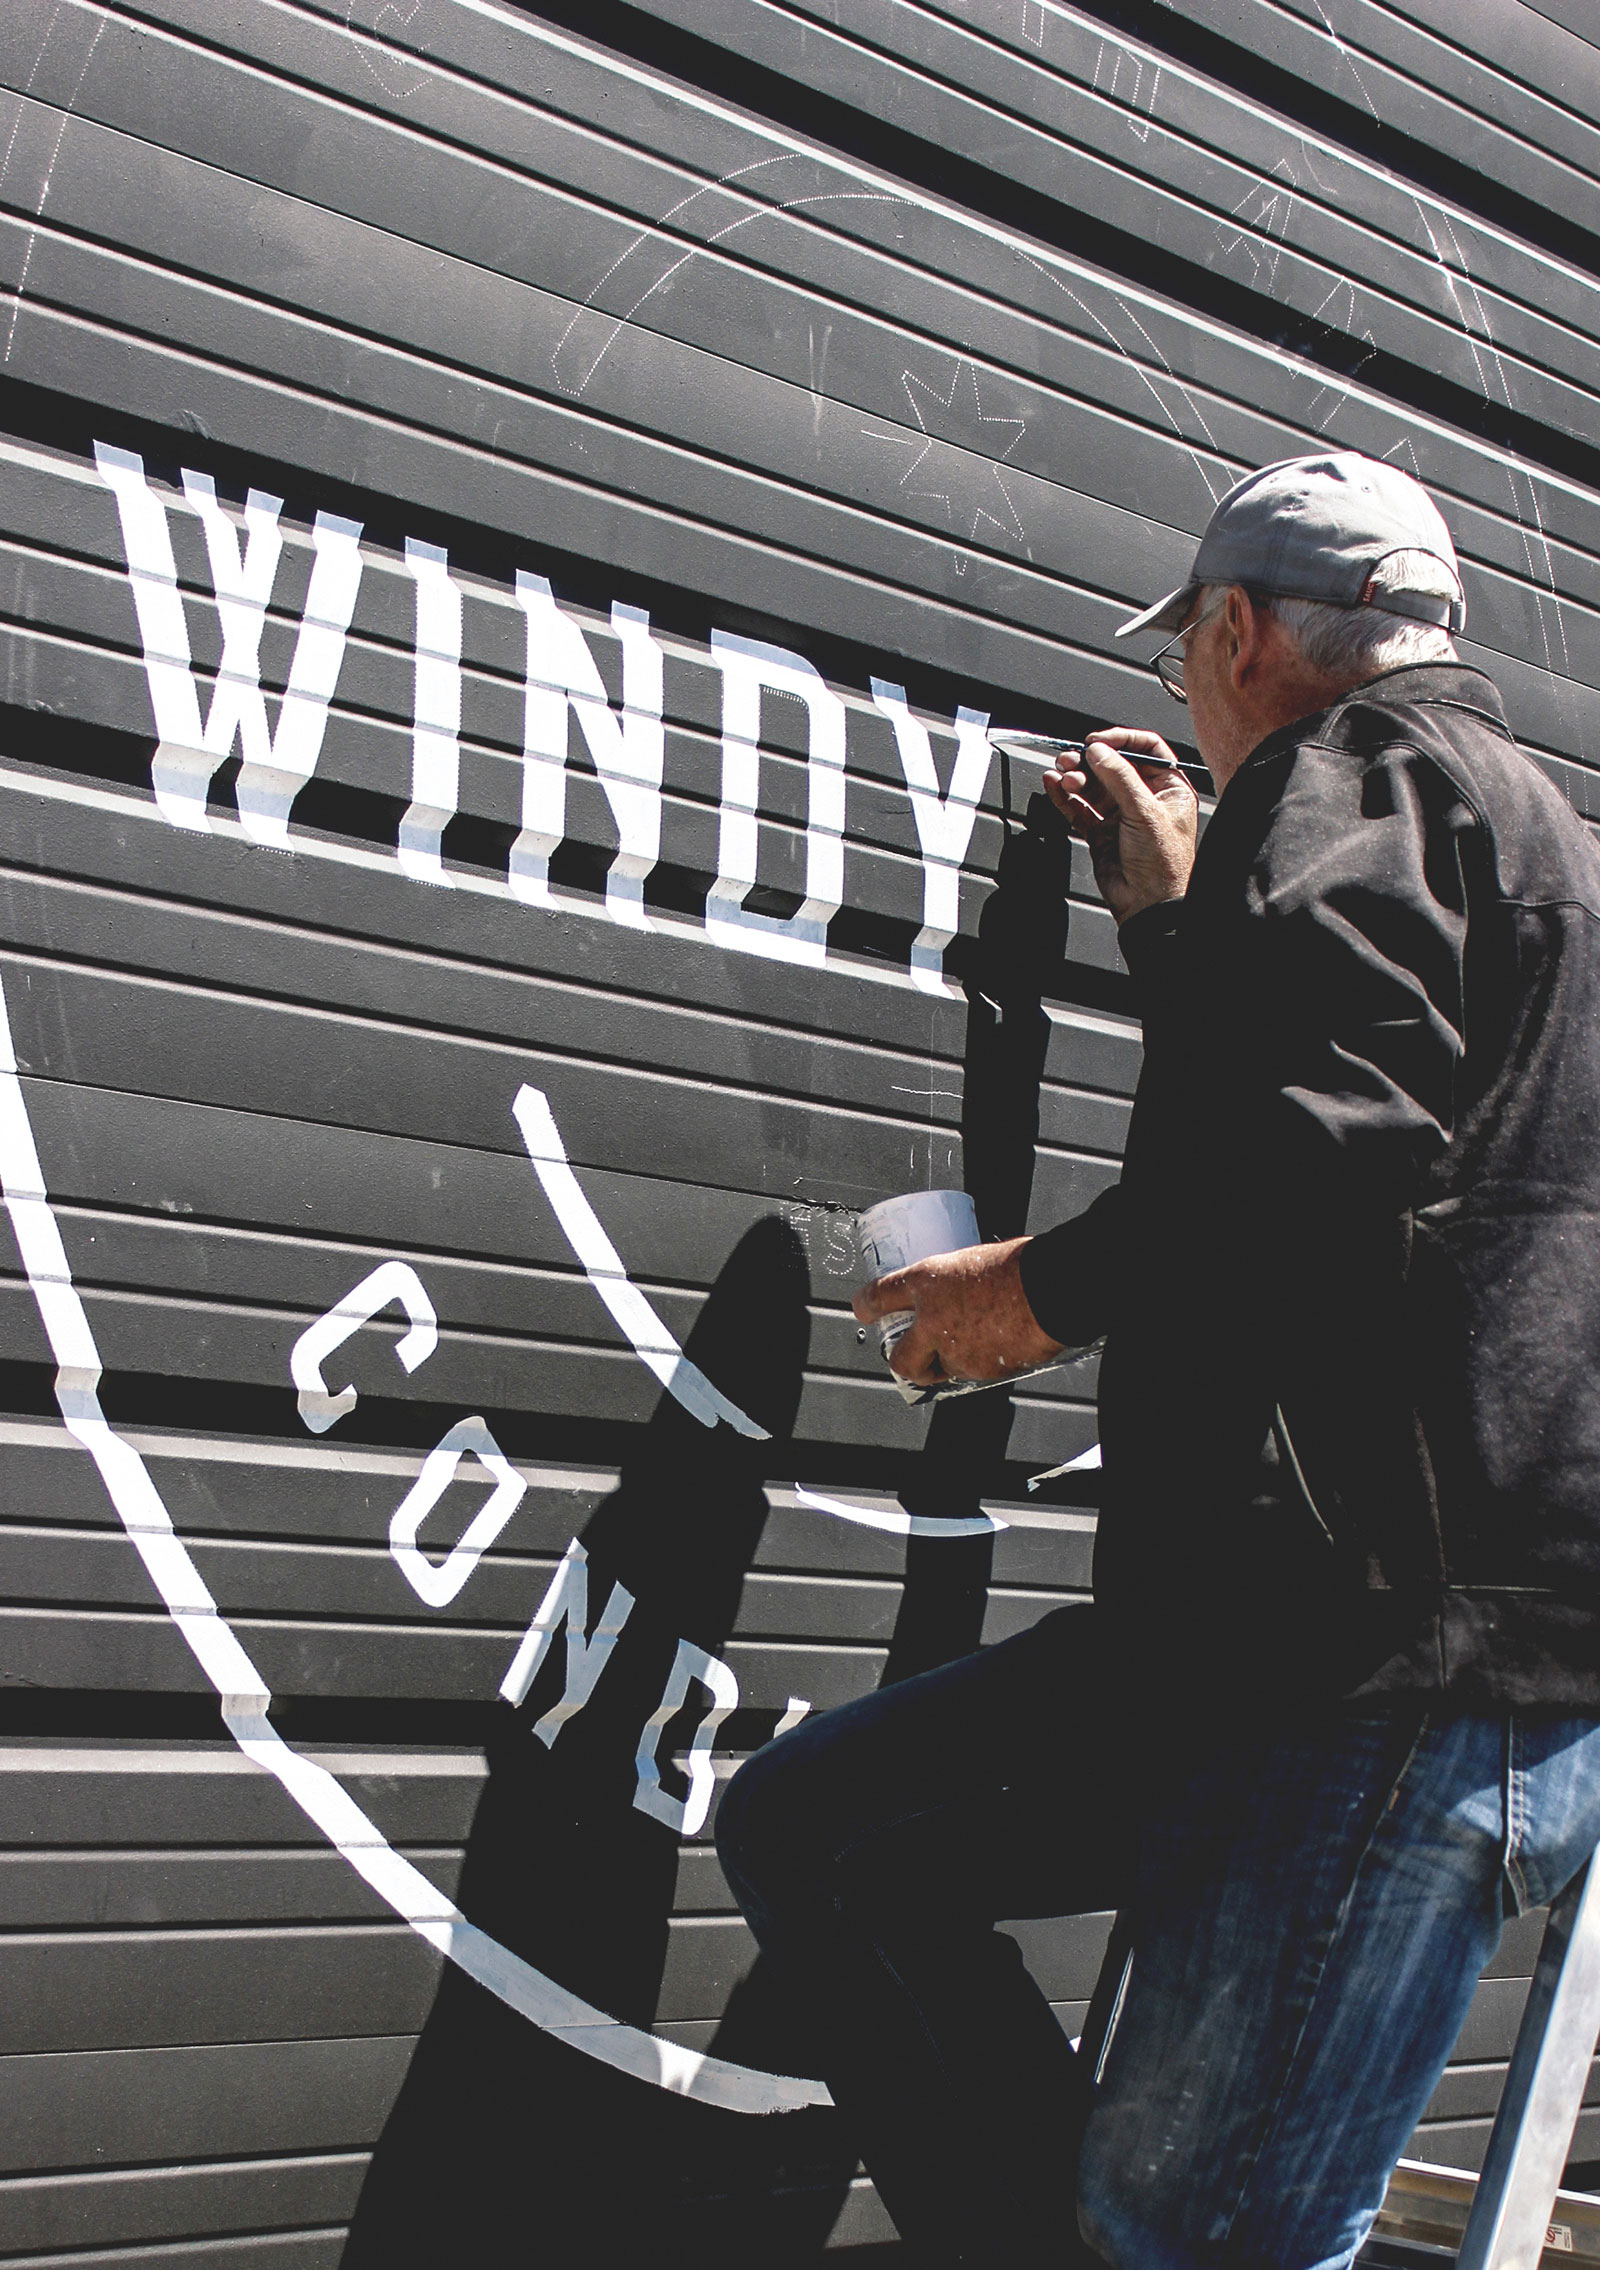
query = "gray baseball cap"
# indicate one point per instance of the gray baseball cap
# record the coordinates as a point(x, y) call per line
point(1317, 528)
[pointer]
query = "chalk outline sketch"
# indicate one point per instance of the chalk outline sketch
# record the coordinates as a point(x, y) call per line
point(655, 235)
point(678, 257)
point(1121, 53)
point(915, 386)
point(1512, 465)
point(21, 286)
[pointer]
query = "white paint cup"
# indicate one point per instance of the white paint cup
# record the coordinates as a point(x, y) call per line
point(899, 1231)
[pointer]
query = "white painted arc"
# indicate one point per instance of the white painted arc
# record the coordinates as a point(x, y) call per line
point(899, 1524)
point(246, 1697)
point(652, 1343)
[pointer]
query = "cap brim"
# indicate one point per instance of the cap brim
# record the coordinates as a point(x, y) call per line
point(1166, 615)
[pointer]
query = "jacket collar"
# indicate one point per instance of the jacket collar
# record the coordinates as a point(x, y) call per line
point(1450, 685)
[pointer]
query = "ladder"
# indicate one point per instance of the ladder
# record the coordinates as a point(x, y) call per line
point(1544, 2088)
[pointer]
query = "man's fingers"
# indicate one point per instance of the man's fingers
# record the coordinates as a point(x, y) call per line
point(882, 1297)
point(1133, 740)
point(1121, 782)
point(915, 1357)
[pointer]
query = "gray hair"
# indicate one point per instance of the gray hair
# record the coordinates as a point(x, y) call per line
point(1358, 642)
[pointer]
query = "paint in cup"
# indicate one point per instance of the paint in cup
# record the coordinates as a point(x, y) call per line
point(897, 1232)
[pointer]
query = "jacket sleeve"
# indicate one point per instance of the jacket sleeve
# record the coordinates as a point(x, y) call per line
point(1353, 972)
point(1069, 1272)
point(1315, 1062)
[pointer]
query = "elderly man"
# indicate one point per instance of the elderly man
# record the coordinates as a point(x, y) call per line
point(1335, 1709)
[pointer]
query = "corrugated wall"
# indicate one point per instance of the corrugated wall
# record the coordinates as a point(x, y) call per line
point(512, 529)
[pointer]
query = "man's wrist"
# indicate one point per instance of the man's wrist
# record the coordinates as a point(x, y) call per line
point(1140, 934)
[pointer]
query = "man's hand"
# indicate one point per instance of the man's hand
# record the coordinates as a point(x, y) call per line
point(1140, 826)
point(972, 1316)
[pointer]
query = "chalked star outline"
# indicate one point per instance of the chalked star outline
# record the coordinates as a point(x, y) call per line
point(920, 391)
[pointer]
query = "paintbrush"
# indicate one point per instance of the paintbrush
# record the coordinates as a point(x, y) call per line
point(1049, 749)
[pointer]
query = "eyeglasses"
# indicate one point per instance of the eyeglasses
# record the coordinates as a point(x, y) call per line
point(1167, 662)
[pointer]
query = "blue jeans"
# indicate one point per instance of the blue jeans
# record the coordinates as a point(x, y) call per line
point(1310, 1904)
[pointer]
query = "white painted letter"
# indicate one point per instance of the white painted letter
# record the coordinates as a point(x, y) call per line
point(189, 754)
point(944, 822)
point(686, 1815)
point(436, 714)
point(652, 1343)
point(439, 1582)
point(747, 666)
point(628, 756)
point(390, 1281)
point(567, 1601)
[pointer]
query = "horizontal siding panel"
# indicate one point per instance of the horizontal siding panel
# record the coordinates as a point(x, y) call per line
point(59, 1891)
point(650, 515)
point(125, 2107)
point(135, 850)
point(272, 2250)
point(790, 514)
point(947, 112)
point(104, 1793)
point(1463, 2143)
point(110, 1651)
point(341, 1495)
point(91, 1990)
point(1421, 79)
point(944, 82)
point(42, 2213)
point(233, 956)
point(826, 463)
point(707, 1958)
point(201, 1344)
point(1467, 2090)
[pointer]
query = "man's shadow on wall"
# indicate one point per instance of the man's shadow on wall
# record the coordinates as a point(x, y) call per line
point(1021, 943)
point(506, 2145)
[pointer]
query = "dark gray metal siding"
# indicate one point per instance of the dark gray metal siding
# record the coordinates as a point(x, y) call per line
point(914, 341)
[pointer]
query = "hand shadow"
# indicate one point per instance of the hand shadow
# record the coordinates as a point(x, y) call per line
point(506, 2144)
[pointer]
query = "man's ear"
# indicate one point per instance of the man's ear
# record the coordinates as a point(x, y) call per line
point(1245, 631)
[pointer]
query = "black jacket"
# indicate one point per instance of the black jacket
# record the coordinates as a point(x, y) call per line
point(1350, 1279)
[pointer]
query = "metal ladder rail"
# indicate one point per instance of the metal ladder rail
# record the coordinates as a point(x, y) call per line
point(1544, 2088)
